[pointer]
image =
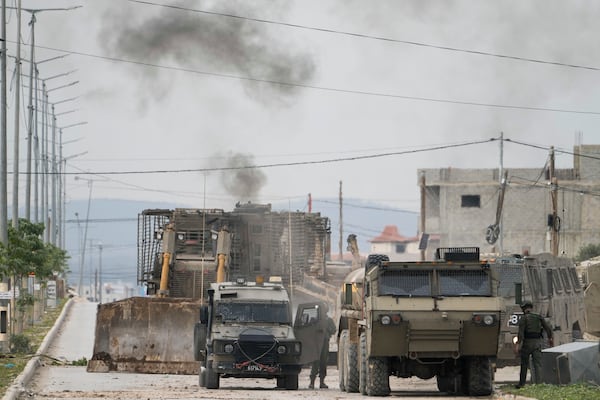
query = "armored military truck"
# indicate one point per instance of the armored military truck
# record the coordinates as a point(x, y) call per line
point(551, 283)
point(246, 331)
point(426, 319)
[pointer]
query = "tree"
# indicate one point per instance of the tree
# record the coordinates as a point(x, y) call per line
point(588, 251)
point(26, 253)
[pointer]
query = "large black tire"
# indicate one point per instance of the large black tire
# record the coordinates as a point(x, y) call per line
point(362, 364)
point(291, 382)
point(378, 377)
point(212, 378)
point(352, 368)
point(341, 358)
point(450, 384)
point(480, 376)
point(202, 377)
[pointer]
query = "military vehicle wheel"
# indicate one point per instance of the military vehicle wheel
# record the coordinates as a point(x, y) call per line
point(362, 363)
point(352, 368)
point(341, 358)
point(480, 376)
point(450, 384)
point(291, 382)
point(212, 378)
point(378, 377)
point(202, 377)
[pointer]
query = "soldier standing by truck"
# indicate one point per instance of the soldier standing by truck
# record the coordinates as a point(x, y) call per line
point(529, 342)
point(319, 367)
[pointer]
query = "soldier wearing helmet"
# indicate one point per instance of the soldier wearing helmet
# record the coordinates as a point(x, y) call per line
point(531, 327)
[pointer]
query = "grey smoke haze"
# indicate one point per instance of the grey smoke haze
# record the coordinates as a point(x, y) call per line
point(242, 184)
point(209, 43)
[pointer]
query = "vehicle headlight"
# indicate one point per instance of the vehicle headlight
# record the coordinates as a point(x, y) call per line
point(515, 339)
point(385, 319)
point(228, 348)
point(484, 319)
point(281, 349)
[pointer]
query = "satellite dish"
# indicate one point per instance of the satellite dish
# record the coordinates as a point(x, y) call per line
point(492, 233)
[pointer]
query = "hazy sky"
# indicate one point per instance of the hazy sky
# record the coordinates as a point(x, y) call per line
point(165, 89)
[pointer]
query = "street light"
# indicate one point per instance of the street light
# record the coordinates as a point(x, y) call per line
point(100, 273)
point(80, 255)
point(15, 205)
point(87, 219)
point(64, 197)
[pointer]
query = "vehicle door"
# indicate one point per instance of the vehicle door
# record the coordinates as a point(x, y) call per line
point(309, 329)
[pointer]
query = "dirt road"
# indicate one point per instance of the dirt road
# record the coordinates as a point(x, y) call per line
point(75, 340)
point(56, 382)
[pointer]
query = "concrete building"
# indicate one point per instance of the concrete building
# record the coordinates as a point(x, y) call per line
point(460, 204)
point(395, 246)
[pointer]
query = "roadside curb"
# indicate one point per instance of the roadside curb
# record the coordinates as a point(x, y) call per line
point(18, 385)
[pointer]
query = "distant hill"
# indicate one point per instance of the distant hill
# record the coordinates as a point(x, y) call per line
point(113, 224)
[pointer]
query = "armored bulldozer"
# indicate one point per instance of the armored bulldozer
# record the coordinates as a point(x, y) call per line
point(427, 319)
point(181, 252)
point(245, 331)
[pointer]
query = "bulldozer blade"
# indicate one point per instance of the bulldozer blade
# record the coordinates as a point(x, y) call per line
point(146, 335)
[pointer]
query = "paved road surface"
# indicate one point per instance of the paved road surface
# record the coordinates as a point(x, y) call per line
point(75, 341)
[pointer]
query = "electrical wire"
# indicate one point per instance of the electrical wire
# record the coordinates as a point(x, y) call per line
point(371, 37)
point(323, 88)
point(557, 150)
point(287, 164)
point(346, 204)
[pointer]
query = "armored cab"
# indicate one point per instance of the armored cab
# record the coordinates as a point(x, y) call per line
point(427, 319)
point(246, 331)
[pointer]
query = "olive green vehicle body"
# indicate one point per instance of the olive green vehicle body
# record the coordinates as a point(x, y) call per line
point(246, 331)
point(426, 319)
point(552, 285)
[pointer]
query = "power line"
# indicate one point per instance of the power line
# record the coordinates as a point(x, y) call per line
point(537, 146)
point(323, 88)
point(288, 164)
point(371, 37)
point(368, 207)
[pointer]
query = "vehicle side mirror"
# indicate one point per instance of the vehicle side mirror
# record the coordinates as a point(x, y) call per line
point(203, 314)
point(348, 294)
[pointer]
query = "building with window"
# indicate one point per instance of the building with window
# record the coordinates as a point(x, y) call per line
point(461, 204)
point(391, 243)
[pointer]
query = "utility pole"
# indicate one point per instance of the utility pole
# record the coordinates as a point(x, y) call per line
point(31, 123)
point(341, 241)
point(15, 196)
point(422, 247)
point(503, 179)
point(555, 225)
point(100, 273)
point(3, 133)
point(87, 219)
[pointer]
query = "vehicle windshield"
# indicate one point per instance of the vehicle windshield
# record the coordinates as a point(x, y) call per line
point(271, 312)
point(465, 283)
point(405, 283)
point(412, 283)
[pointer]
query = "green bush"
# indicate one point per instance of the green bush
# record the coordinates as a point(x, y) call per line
point(588, 251)
point(20, 344)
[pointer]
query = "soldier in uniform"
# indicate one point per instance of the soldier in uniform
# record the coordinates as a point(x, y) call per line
point(531, 326)
point(319, 367)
